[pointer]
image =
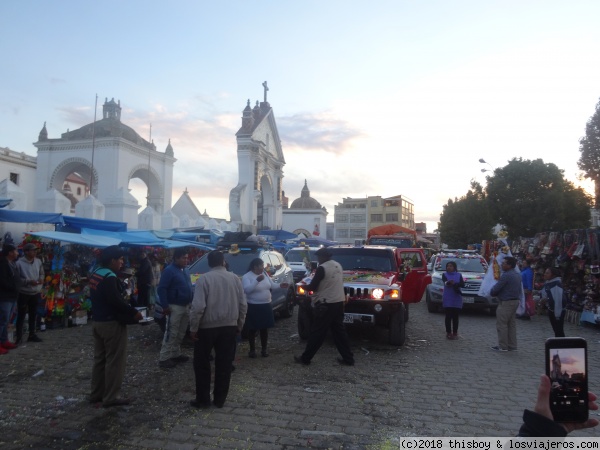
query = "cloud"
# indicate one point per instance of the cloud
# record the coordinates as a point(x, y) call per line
point(318, 131)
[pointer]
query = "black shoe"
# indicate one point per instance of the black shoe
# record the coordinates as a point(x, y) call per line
point(167, 364)
point(117, 402)
point(180, 359)
point(264, 353)
point(33, 338)
point(343, 362)
point(94, 400)
point(232, 367)
point(299, 360)
point(252, 354)
point(199, 405)
point(218, 404)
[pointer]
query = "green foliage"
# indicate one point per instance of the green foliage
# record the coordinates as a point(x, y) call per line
point(466, 220)
point(589, 147)
point(528, 197)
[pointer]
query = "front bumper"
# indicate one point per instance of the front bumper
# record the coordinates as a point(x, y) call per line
point(363, 312)
point(471, 299)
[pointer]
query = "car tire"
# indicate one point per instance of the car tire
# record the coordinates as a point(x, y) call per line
point(397, 328)
point(304, 320)
point(430, 306)
point(287, 309)
point(405, 313)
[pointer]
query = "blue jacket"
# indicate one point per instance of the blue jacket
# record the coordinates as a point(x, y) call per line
point(175, 287)
point(451, 298)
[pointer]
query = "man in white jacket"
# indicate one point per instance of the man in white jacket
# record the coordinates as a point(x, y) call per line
point(217, 315)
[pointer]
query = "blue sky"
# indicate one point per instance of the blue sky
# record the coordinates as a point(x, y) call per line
point(370, 98)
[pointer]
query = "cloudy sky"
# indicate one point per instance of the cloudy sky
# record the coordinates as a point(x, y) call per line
point(370, 98)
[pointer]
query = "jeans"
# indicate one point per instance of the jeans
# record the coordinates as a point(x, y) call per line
point(27, 304)
point(6, 307)
point(330, 316)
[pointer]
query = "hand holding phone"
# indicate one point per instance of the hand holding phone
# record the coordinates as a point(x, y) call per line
point(567, 369)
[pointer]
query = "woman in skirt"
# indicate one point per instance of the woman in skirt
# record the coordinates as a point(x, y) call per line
point(257, 287)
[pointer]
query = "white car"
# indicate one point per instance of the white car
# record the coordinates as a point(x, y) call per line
point(300, 260)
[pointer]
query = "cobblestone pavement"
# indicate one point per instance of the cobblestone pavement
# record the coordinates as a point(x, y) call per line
point(429, 387)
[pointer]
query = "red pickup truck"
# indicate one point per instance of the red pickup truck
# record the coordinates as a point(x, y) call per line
point(379, 283)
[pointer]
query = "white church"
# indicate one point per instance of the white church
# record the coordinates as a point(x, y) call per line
point(109, 154)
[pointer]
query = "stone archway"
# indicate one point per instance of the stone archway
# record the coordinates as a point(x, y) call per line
point(266, 211)
point(155, 188)
point(78, 165)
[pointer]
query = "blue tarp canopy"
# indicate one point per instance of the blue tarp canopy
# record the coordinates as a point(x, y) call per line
point(278, 235)
point(75, 224)
point(5, 202)
point(11, 215)
point(75, 238)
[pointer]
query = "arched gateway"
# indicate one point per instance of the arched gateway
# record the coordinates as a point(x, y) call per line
point(107, 154)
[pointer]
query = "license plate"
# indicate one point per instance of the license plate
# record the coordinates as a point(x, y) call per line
point(348, 318)
point(468, 299)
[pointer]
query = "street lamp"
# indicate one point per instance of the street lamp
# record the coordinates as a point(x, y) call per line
point(483, 161)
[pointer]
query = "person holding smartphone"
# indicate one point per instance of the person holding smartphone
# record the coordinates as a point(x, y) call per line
point(540, 422)
point(452, 298)
point(257, 287)
point(553, 293)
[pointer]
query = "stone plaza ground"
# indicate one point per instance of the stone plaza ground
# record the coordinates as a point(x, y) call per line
point(429, 387)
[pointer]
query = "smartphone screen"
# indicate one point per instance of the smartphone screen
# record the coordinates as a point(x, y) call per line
point(566, 366)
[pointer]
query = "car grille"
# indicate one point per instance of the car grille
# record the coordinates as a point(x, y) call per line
point(353, 292)
point(471, 286)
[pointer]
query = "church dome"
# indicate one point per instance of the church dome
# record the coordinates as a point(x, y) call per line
point(305, 201)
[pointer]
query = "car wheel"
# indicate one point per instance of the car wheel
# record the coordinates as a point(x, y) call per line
point(492, 311)
point(304, 320)
point(287, 310)
point(405, 313)
point(430, 306)
point(397, 334)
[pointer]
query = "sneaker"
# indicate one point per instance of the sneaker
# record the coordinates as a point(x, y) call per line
point(8, 345)
point(34, 338)
point(199, 405)
point(449, 336)
point(343, 362)
point(167, 364)
point(498, 349)
point(454, 335)
point(264, 353)
point(180, 359)
point(299, 360)
point(219, 404)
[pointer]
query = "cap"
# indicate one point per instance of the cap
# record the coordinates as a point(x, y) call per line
point(323, 251)
point(112, 252)
point(29, 246)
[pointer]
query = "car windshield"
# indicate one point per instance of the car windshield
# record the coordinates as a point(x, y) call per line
point(238, 263)
point(463, 264)
point(364, 259)
point(300, 255)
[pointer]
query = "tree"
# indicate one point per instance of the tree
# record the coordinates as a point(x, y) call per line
point(466, 220)
point(589, 146)
point(529, 197)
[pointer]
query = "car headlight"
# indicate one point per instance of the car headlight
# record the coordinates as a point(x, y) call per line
point(377, 294)
point(300, 290)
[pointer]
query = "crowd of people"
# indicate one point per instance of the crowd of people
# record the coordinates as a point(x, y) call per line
point(221, 303)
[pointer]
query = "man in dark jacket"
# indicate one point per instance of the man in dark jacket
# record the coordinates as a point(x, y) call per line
point(110, 313)
point(144, 276)
point(175, 294)
point(9, 291)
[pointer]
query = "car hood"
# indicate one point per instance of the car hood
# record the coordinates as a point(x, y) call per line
point(467, 276)
point(368, 277)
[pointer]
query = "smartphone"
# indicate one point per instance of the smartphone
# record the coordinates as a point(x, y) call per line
point(567, 368)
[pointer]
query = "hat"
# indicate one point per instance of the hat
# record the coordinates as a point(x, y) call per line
point(29, 246)
point(324, 251)
point(234, 249)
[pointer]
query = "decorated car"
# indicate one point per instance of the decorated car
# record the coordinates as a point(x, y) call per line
point(379, 284)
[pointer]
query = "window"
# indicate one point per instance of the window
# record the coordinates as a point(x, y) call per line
point(78, 191)
point(342, 233)
point(357, 233)
point(374, 203)
point(342, 218)
point(357, 218)
point(14, 178)
point(376, 217)
point(391, 217)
